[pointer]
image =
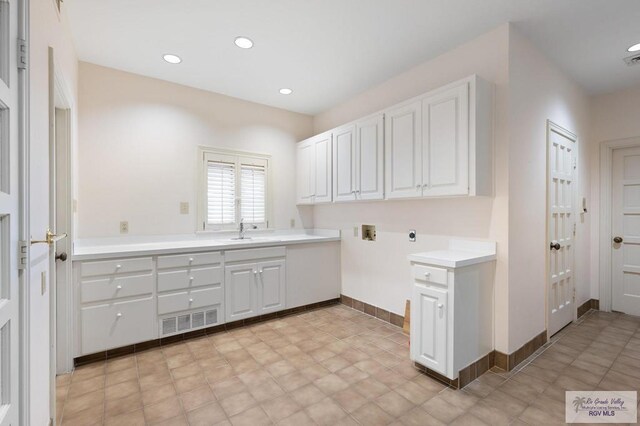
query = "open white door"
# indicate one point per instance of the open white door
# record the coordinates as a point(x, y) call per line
point(625, 230)
point(561, 170)
point(9, 216)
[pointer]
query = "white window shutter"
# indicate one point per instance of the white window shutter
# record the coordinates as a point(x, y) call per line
point(221, 193)
point(253, 194)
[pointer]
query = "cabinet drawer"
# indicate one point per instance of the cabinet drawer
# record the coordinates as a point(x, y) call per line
point(254, 254)
point(190, 299)
point(118, 266)
point(117, 324)
point(186, 278)
point(115, 287)
point(186, 260)
point(430, 274)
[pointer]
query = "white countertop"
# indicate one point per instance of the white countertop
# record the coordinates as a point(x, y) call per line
point(85, 249)
point(460, 253)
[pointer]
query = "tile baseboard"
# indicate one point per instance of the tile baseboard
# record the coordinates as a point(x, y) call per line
point(508, 362)
point(142, 346)
point(587, 306)
point(374, 311)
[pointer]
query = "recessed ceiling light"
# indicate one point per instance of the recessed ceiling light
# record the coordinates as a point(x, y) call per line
point(172, 59)
point(286, 91)
point(243, 42)
point(634, 48)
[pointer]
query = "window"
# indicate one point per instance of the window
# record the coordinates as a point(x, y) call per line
point(234, 187)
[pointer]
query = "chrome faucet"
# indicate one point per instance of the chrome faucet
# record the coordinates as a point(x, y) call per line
point(242, 229)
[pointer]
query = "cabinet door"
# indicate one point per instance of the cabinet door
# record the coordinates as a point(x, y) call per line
point(445, 150)
point(271, 293)
point(370, 159)
point(321, 182)
point(344, 161)
point(429, 327)
point(403, 147)
point(305, 172)
point(241, 291)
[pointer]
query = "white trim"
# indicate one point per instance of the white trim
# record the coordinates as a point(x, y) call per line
point(606, 158)
point(25, 231)
point(203, 152)
point(551, 126)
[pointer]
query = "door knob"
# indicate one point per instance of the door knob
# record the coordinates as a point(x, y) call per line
point(555, 246)
point(62, 256)
point(617, 240)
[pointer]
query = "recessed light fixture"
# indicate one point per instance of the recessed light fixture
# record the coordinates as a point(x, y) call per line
point(243, 42)
point(172, 59)
point(634, 48)
point(286, 91)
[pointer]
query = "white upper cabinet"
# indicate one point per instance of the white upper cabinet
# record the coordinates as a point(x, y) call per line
point(370, 158)
point(344, 162)
point(314, 170)
point(403, 156)
point(438, 144)
point(358, 160)
point(449, 142)
point(445, 142)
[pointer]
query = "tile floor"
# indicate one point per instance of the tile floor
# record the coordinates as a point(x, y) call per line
point(338, 366)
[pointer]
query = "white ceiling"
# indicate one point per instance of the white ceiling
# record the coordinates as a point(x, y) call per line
point(330, 50)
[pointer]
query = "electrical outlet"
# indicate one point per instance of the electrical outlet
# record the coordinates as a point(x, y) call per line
point(43, 282)
point(293, 223)
point(184, 207)
point(124, 227)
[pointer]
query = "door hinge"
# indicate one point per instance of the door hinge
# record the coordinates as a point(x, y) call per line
point(23, 254)
point(574, 229)
point(575, 164)
point(574, 295)
point(23, 54)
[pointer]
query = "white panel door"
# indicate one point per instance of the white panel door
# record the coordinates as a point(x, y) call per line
point(560, 188)
point(304, 173)
point(445, 149)
point(370, 159)
point(9, 215)
point(272, 286)
point(241, 291)
point(429, 327)
point(403, 148)
point(322, 168)
point(625, 230)
point(344, 162)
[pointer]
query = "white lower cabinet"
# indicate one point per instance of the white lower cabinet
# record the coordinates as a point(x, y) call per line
point(451, 315)
point(120, 302)
point(429, 330)
point(116, 324)
point(255, 288)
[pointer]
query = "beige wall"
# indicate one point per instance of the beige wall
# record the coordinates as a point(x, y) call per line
point(138, 151)
point(614, 116)
point(378, 272)
point(538, 92)
point(47, 29)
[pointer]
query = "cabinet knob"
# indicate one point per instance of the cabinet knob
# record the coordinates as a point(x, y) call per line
point(255, 272)
point(260, 271)
point(190, 278)
point(190, 300)
point(190, 259)
point(427, 274)
point(424, 185)
point(440, 306)
point(118, 287)
point(418, 186)
point(118, 266)
point(119, 314)
point(618, 240)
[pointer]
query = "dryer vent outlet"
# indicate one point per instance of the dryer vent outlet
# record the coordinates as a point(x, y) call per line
point(633, 60)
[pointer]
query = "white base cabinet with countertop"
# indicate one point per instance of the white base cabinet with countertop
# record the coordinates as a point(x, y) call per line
point(452, 306)
point(132, 296)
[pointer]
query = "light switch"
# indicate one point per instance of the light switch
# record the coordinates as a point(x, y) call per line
point(184, 207)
